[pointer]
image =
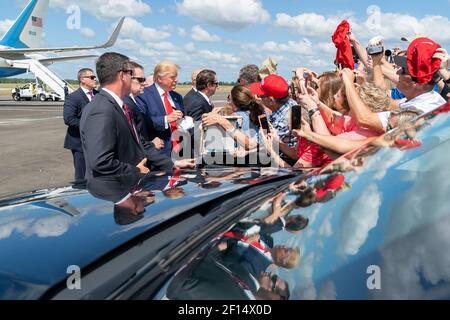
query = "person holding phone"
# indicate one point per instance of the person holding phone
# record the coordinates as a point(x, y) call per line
point(249, 109)
point(274, 92)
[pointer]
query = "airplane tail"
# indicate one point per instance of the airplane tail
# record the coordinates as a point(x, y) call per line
point(26, 32)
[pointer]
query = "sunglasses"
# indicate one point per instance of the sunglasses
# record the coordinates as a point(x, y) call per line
point(90, 77)
point(283, 295)
point(138, 79)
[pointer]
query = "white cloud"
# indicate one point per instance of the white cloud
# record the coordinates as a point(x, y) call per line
point(360, 217)
point(305, 289)
point(107, 8)
point(134, 29)
point(4, 26)
point(181, 32)
point(325, 47)
point(320, 64)
point(326, 228)
point(328, 291)
point(189, 47)
point(391, 26)
point(218, 56)
point(229, 14)
point(87, 32)
point(163, 46)
point(418, 258)
point(8, 226)
point(303, 47)
point(53, 226)
point(200, 34)
point(308, 24)
point(126, 43)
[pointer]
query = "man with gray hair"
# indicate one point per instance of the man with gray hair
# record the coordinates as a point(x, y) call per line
point(249, 74)
point(73, 108)
point(111, 143)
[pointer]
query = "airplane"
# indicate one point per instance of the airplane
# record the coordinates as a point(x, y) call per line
point(21, 41)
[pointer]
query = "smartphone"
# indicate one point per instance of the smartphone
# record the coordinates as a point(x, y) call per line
point(306, 77)
point(263, 122)
point(296, 117)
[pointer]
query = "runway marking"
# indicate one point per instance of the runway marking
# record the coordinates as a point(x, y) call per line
point(21, 121)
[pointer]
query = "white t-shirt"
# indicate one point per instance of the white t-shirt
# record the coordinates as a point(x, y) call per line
point(425, 102)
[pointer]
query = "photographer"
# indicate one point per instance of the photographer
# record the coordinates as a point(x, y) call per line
point(417, 78)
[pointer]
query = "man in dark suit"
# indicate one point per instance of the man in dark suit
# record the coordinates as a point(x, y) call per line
point(188, 95)
point(110, 141)
point(199, 102)
point(162, 106)
point(137, 88)
point(73, 108)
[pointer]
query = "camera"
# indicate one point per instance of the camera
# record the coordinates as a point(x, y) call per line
point(389, 55)
point(375, 49)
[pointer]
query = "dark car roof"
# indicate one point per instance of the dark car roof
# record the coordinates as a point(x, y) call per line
point(40, 238)
point(391, 212)
point(380, 231)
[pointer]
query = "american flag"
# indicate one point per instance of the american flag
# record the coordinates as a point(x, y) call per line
point(36, 22)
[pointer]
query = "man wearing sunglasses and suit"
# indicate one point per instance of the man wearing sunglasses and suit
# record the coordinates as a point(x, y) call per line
point(138, 83)
point(73, 108)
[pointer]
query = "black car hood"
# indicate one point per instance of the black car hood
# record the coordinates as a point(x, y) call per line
point(43, 234)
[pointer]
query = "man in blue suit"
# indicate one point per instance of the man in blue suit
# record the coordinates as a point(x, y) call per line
point(162, 106)
point(73, 108)
point(199, 103)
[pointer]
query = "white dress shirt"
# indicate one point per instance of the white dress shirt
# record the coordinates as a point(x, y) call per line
point(86, 93)
point(161, 95)
point(425, 102)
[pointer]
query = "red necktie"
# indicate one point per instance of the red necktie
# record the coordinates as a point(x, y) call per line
point(175, 177)
point(90, 94)
point(256, 244)
point(130, 120)
point(173, 124)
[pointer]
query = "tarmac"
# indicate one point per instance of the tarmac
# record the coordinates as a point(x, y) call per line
point(32, 155)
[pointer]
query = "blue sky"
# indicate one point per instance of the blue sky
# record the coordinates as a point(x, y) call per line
point(227, 34)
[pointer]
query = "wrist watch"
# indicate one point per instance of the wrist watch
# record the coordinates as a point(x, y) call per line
point(312, 112)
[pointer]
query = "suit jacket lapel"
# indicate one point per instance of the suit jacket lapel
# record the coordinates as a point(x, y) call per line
point(85, 98)
point(175, 101)
point(207, 102)
point(157, 99)
point(122, 115)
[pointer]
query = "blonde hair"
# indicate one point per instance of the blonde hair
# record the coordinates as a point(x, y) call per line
point(163, 68)
point(374, 97)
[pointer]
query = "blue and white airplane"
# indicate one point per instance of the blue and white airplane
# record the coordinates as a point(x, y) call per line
point(22, 41)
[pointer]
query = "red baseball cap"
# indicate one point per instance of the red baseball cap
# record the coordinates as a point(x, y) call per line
point(420, 61)
point(273, 86)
